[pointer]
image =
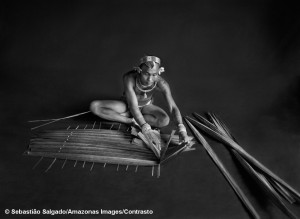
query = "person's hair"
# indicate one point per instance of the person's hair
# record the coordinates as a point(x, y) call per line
point(148, 64)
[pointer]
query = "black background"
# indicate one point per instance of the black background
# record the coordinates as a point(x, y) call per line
point(239, 59)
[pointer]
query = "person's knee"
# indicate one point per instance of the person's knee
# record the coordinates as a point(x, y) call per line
point(95, 106)
point(163, 121)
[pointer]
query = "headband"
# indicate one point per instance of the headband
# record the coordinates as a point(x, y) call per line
point(150, 59)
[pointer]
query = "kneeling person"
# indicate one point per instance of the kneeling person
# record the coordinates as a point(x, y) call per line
point(139, 86)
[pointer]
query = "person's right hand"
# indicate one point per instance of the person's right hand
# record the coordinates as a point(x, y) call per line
point(151, 136)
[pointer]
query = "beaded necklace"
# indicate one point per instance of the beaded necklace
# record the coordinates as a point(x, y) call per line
point(139, 86)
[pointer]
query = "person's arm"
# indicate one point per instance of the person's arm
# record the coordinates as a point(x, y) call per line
point(174, 110)
point(132, 100)
point(137, 115)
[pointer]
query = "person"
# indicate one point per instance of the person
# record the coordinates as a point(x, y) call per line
point(136, 105)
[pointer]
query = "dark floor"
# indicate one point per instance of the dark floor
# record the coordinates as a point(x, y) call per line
point(236, 59)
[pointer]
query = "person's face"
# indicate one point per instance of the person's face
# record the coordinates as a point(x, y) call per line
point(149, 76)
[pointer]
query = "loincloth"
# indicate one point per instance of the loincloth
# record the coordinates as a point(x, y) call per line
point(141, 104)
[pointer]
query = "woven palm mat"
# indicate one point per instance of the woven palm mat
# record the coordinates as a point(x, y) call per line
point(101, 142)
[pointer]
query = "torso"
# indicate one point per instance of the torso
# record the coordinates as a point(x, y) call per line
point(142, 100)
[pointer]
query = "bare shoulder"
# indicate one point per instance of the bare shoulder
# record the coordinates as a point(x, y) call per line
point(163, 84)
point(129, 77)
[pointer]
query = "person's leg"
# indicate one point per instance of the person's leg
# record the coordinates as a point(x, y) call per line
point(113, 110)
point(155, 116)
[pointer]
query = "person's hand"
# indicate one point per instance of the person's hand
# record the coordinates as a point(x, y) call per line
point(151, 136)
point(183, 137)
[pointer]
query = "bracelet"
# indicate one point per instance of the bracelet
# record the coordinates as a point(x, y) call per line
point(146, 127)
point(181, 128)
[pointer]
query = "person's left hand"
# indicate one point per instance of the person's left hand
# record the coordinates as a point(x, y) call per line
point(184, 138)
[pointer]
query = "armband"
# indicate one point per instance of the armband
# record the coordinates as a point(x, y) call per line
point(146, 127)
